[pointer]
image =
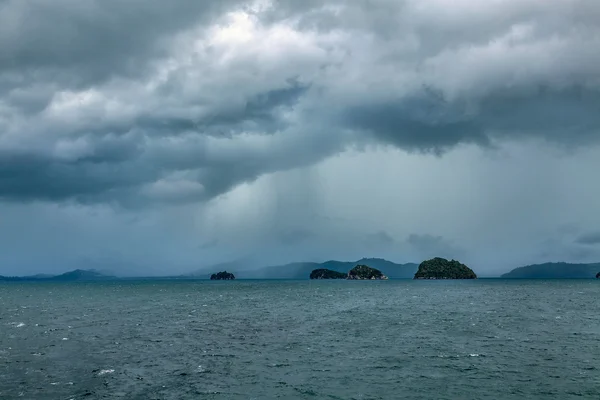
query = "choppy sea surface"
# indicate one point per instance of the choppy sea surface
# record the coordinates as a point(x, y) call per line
point(404, 339)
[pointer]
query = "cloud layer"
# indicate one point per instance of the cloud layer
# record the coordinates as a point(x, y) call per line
point(137, 102)
point(138, 105)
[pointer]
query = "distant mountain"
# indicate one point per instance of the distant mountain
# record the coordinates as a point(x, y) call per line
point(41, 276)
point(81, 275)
point(25, 278)
point(556, 270)
point(302, 270)
point(71, 276)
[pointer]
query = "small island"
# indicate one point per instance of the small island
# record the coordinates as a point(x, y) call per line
point(323, 273)
point(440, 268)
point(222, 276)
point(364, 272)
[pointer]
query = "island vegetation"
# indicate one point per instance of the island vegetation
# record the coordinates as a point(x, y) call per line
point(323, 273)
point(364, 272)
point(440, 268)
point(222, 276)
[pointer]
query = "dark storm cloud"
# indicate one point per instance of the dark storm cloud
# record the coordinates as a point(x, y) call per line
point(25, 177)
point(83, 42)
point(62, 65)
point(592, 238)
point(260, 111)
point(565, 115)
point(426, 123)
point(116, 162)
point(509, 72)
point(429, 123)
point(139, 102)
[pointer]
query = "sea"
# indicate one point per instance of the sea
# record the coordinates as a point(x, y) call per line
point(397, 339)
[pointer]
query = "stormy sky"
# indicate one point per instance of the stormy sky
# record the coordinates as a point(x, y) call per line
point(158, 137)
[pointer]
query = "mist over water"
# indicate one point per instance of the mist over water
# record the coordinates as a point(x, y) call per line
point(480, 339)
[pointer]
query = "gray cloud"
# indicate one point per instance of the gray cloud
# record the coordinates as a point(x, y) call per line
point(591, 238)
point(452, 80)
point(209, 244)
point(215, 106)
point(296, 236)
point(430, 123)
point(82, 43)
point(380, 238)
point(415, 124)
point(118, 102)
point(554, 250)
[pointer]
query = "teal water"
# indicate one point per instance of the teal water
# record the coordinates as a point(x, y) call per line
point(484, 339)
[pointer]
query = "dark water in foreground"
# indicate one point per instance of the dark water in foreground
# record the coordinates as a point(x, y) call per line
point(485, 339)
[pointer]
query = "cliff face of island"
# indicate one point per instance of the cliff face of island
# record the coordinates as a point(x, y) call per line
point(323, 273)
point(440, 268)
point(222, 276)
point(364, 272)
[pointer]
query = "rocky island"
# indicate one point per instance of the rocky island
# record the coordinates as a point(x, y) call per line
point(440, 268)
point(323, 273)
point(222, 276)
point(364, 272)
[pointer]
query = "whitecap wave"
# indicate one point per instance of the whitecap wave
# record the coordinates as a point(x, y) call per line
point(105, 371)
